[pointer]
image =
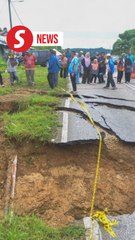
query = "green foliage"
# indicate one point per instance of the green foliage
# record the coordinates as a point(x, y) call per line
point(34, 116)
point(2, 65)
point(125, 42)
point(92, 51)
point(41, 82)
point(72, 231)
point(48, 48)
point(43, 100)
point(127, 35)
point(36, 99)
point(6, 90)
point(34, 123)
point(33, 228)
point(27, 228)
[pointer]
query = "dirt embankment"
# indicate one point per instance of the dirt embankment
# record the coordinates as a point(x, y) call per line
point(55, 182)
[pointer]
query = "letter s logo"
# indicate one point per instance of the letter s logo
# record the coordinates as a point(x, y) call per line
point(19, 38)
point(19, 43)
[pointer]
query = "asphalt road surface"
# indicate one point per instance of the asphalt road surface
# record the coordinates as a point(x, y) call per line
point(112, 110)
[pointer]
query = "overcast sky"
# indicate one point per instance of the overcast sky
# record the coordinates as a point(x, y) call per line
point(85, 23)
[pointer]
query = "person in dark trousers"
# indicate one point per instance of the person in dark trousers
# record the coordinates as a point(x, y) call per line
point(29, 64)
point(53, 70)
point(102, 68)
point(131, 58)
point(128, 69)
point(1, 80)
point(64, 65)
point(110, 71)
point(68, 56)
point(12, 63)
point(120, 69)
point(94, 70)
point(86, 63)
point(73, 71)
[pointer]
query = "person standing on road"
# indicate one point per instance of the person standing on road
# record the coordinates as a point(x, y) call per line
point(120, 69)
point(131, 58)
point(81, 57)
point(11, 67)
point(110, 71)
point(102, 67)
point(53, 69)
point(29, 64)
point(77, 69)
point(73, 71)
point(86, 62)
point(128, 69)
point(64, 65)
point(94, 70)
point(68, 56)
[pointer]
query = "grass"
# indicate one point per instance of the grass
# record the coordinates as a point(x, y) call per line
point(33, 228)
point(35, 118)
point(34, 123)
point(41, 82)
point(36, 99)
point(6, 90)
point(43, 100)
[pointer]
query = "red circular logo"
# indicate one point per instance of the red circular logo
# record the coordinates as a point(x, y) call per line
point(19, 38)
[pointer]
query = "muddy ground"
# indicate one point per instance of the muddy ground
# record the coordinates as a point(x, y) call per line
point(56, 181)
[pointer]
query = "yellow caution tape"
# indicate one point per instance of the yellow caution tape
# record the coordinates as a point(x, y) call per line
point(100, 216)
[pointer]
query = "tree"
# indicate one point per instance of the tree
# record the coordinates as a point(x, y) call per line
point(125, 42)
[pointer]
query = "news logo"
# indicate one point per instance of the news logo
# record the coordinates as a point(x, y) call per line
point(20, 38)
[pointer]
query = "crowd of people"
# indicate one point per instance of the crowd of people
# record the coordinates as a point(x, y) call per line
point(82, 68)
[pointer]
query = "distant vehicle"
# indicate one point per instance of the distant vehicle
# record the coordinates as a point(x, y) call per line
point(42, 57)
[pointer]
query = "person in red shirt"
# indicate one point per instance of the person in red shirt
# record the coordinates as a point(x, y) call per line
point(64, 65)
point(29, 64)
point(95, 68)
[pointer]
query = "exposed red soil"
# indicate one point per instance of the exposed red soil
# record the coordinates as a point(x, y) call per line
point(55, 182)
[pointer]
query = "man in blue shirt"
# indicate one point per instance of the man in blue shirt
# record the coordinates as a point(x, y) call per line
point(73, 70)
point(53, 69)
point(110, 72)
point(131, 58)
point(68, 55)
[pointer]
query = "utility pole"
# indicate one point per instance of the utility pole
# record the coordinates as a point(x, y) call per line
point(10, 17)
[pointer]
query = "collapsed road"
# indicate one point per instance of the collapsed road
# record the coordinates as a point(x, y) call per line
point(55, 180)
point(112, 111)
point(114, 114)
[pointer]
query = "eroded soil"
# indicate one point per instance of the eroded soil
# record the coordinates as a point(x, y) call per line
point(56, 181)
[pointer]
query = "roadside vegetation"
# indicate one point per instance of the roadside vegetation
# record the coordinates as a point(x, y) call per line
point(34, 123)
point(41, 82)
point(35, 117)
point(125, 42)
point(33, 228)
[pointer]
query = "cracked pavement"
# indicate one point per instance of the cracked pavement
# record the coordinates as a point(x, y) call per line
point(112, 110)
